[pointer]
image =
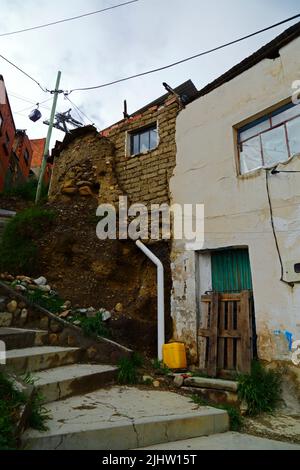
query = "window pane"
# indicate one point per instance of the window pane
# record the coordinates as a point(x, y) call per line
point(285, 115)
point(262, 126)
point(135, 147)
point(293, 128)
point(274, 146)
point(144, 142)
point(250, 155)
point(153, 138)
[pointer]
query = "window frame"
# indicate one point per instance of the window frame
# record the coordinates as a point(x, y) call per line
point(139, 132)
point(266, 117)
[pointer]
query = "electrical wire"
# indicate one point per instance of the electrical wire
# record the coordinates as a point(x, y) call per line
point(30, 101)
point(80, 112)
point(24, 73)
point(274, 233)
point(186, 59)
point(33, 28)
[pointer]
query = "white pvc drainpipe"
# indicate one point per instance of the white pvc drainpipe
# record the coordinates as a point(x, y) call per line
point(160, 298)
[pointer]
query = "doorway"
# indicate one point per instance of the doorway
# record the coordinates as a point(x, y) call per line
point(226, 334)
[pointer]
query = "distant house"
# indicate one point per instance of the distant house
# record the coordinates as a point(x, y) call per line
point(7, 133)
point(38, 148)
point(15, 147)
point(238, 153)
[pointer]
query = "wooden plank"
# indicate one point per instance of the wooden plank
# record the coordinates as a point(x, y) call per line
point(213, 340)
point(221, 340)
point(230, 310)
point(229, 297)
point(244, 351)
point(203, 334)
point(228, 334)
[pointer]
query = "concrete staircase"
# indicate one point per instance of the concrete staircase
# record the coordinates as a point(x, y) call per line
point(5, 217)
point(88, 412)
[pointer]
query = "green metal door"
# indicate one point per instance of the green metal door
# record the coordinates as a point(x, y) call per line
point(231, 270)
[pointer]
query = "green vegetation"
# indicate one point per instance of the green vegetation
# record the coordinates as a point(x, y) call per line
point(160, 367)
point(26, 191)
point(92, 326)
point(128, 369)
point(10, 403)
point(51, 302)
point(18, 251)
point(235, 417)
point(260, 390)
point(39, 414)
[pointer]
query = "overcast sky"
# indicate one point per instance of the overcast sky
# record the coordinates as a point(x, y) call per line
point(121, 42)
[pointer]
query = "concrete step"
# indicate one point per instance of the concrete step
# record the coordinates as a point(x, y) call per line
point(124, 418)
point(62, 382)
point(19, 338)
point(40, 358)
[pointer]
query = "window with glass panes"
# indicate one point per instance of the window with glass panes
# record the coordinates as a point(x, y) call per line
point(270, 140)
point(144, 140)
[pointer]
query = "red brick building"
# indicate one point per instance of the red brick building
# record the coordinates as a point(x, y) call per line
point(7, 133)
point(15, 147)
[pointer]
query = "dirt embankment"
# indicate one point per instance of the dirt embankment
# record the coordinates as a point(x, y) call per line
point(110, 274)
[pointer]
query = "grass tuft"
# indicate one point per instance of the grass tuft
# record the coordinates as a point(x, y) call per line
point(260, 390)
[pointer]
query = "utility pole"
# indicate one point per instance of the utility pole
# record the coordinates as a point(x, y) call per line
point(48, 140)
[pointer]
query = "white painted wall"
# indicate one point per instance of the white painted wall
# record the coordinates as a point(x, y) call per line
point(236, 207)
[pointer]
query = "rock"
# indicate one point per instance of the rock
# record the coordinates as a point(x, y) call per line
point(67, 305)
point(41, 281)
point(20, 288)
point(46, 289)
point(85, 191)
point(243, 408)
point(69, 183)
point(53, 339)
point(55, 327)
point(91, 314)
point(6, 319)
point(2, 304)
point(72, 341)
point(147, 378)
point(26, 279)
point(12, 306)
point(178, 381)
point(84, 183)
point(91, 352)
point(44, 323)
point(65, 314)
point(17, 312)
point(24, 316)
point(82, 310)
point(69, 191)
point(106, 315)
point(119, 308)
point(156, 384)
point(77, 323)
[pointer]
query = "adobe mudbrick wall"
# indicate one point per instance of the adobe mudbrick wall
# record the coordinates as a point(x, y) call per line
point(99, 165)
point(145, 177)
